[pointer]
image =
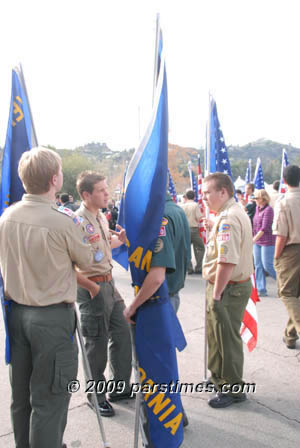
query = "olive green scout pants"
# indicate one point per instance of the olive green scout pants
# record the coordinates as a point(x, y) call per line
point(44, 359)
point(225, 346)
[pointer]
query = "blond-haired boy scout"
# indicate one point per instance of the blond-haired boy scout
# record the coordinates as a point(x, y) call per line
point(227, 267)
point(39, 245)
point(287, 252)
point(102, 320)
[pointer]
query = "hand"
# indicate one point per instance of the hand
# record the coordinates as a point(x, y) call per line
point(218, 298)
point(121, 234)
point(128, 313)
point(208, 224)
point(94, 290)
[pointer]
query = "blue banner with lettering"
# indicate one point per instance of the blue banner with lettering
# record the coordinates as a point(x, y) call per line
point(158, 331)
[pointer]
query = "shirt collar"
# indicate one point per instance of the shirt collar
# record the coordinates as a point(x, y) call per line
point(37, 198)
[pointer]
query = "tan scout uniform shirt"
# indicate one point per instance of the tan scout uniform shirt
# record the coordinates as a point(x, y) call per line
point(287, 216)
point(97, 231)
point(230, 241)
point(39, 245)
point(193, 214)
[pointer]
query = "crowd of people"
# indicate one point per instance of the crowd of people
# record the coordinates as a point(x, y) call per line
point(64, 254)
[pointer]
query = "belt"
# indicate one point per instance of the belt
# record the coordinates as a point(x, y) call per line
point(101, 278)
point(231, 282)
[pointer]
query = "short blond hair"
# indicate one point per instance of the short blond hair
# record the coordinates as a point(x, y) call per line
point(262, 194)
point(36, 169)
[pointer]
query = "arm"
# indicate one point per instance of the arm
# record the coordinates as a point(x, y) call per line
point(258, 235)
point(152, 282)
point(279, 245)
point(85, 283)
point(223, 275)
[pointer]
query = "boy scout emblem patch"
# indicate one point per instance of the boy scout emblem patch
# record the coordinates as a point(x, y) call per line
point(98, 256)
point(90, 228)
point(162, 231)
point(164, 222)
point(158, 245)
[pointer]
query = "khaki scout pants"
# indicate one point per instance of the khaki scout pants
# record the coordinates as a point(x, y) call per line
point(225, 346)
point(103, 325)
point(287, 267)
point(44, 359)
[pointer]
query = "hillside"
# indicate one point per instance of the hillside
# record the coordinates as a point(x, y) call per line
point(100, 157)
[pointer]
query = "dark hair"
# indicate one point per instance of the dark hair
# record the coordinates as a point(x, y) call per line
point(190, 194)
point(252, 186)
point(276, 184)
point(238, 191)
point(291, 175)
point(221, 181)
point(87, 180)
point(64, 197)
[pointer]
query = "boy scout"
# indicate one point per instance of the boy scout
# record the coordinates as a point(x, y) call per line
point(227, 267)
point(102, 317)
point(287, 252)
point(39, 244)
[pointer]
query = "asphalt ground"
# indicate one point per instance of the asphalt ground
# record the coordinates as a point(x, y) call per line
point(269, 418)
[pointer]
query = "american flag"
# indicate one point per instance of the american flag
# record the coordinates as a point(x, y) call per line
point(200, 202)
point(248, 175)
point(171, 188)
point(284, 163)
point(258, 176)
point(217, 160)
point(193, 180)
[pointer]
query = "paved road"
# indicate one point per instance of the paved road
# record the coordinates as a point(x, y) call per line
point(270, 418)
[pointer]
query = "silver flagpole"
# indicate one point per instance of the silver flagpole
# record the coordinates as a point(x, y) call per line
point(88, 376)
point(207, 171)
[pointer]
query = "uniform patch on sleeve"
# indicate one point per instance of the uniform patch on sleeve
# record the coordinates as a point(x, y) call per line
point(223, 250)
point(65, 210)
point(77, 220)
point(162, 231)
point(224, 228)
point(159, 245)
point(164, 222)
point(223, 236)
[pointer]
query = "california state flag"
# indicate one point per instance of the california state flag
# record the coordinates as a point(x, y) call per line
point(249, 323)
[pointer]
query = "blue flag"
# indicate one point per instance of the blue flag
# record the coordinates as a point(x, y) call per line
point(171, 188)
point(216, 156)
point(20, 137)
point(284, 163)
point(248, 175)
point(157, 329)
point(193, 181)
point(120, 254)
point(258, 180)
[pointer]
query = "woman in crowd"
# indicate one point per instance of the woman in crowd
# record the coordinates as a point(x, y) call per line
point(264, 241)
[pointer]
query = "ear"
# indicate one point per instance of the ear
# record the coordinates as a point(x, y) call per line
point(85, 196)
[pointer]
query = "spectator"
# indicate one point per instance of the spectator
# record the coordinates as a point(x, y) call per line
point(264, 241)
point(250, 202)
point(275, 193)
point(65, 201)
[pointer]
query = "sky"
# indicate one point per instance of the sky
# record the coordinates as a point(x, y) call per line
point(88, 67)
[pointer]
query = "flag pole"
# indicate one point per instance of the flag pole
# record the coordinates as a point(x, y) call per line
point(207, 172)
point(156, 57)
point(25, 90)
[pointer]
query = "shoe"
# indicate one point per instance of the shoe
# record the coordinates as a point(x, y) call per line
point(262, 293)
point(185, 420)
point(289, 344)
point(105, 408)
point(119, 397)
point(225, 400)
point(198, 272)
point(190, 272)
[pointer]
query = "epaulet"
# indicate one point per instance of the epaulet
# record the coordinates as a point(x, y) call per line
point(67, 211)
